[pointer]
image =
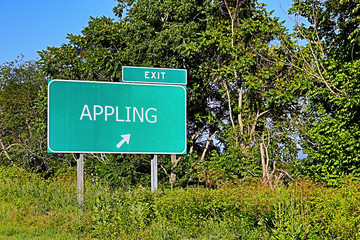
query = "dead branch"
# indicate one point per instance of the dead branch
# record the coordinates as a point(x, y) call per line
point(240, 110)
point(207, 146)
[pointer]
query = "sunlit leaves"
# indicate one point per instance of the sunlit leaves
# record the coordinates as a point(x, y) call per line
point(331, 133)
point(256, 92)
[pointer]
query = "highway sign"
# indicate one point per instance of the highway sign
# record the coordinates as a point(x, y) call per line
point(154, 75)
point(105, 117)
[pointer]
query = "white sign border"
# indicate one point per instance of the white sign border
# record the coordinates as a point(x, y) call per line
point(121, 83)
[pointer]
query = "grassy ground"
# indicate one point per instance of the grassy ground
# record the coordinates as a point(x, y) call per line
point(34, 208)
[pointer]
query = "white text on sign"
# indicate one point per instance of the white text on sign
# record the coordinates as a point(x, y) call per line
point(155, 75)
point(118, 114)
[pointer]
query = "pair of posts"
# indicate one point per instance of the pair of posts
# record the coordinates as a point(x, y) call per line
point(80, 176)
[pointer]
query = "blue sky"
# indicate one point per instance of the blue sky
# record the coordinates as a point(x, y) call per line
point(28, 26)
point(280, 8)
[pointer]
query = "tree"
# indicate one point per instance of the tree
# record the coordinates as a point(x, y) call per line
point(257, 97)
point(151, 34)
point(330, 135)
point(239, 101)
point(23, 116)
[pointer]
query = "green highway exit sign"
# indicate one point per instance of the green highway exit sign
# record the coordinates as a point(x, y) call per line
point(154, 75)
point(105, 117)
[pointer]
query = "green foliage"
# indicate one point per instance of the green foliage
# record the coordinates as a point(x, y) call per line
point(303, 210)
point(23, 114)
point(120, 171)
point(330, 132)
point(228, 49)
point(31, 206)
point(255, 104)
point(332, 140)
point(151, 34)
point(19, 86)
point(247, 82)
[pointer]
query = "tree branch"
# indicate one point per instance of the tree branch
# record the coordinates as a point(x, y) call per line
point(207, 146)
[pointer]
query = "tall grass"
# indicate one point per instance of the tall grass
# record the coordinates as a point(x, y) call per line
point(35, 208)
point(31, 207)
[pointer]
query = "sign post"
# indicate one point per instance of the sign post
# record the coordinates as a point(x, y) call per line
point(154, 180)
point(80, 178)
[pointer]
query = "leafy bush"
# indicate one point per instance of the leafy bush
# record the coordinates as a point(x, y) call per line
point(32, 207)
point(303, 210)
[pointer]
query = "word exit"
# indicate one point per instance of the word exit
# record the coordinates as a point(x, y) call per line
point(155, 75)
point(168, 76)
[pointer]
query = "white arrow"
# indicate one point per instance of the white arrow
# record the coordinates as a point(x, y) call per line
point(126, 138)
